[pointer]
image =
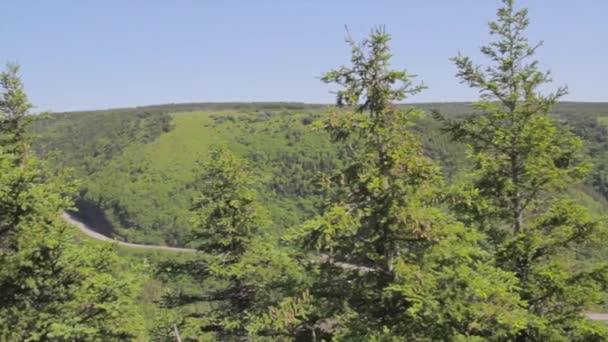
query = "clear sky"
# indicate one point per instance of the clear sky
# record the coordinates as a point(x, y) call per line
point(114, 53)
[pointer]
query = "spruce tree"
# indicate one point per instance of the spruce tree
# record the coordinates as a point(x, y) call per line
point(523, 162)
point(14, 109)
point(52, 288)
point(393, 265)
point(243, 271)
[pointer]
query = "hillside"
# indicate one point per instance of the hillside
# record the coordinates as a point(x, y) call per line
point(138, 166)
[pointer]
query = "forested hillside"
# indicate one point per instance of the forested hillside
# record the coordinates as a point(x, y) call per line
point(144, 180)
point(371, 219)
point(138, 166)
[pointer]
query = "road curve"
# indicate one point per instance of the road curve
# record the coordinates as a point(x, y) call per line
point(97, 236)
point(594, 316)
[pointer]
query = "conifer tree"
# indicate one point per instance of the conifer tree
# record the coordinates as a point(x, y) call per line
point(52, 289)
point(227, 215)
point(246, 271)
point(393, 265)
point(523, 162)
point(14, 109)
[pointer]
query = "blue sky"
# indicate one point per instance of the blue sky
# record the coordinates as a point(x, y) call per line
point(102, 54)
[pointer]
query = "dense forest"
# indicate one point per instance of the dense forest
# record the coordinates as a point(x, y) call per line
point(132, 177)
point(373, 219)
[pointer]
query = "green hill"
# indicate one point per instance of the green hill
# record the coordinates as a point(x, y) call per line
point(138, 166)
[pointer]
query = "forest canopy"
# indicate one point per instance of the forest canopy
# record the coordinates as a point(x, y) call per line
point(375, 218)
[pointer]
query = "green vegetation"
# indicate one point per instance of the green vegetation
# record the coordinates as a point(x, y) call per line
point(138, 170)
point(522, 160)
point(415, 271)
point(364, 221)
point(145, 190)
point(52, 288)
point(242, 271)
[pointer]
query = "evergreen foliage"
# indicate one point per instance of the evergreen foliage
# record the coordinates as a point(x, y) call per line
point(367, 222)
point(522, 161)
point(395, 266)
point(246, 272)
point(52, 289)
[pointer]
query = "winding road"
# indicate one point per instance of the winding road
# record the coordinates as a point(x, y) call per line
point(595, 316)
point(97, 236)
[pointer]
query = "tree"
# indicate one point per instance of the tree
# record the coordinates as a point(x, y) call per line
point(52, 289)
point(394, 265)
point(227, 216)
point(522, 161)
point(14, 108)
point(244, 271)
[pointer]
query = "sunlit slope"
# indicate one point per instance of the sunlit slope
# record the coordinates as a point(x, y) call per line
point(138, 167)
point(146, 191)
